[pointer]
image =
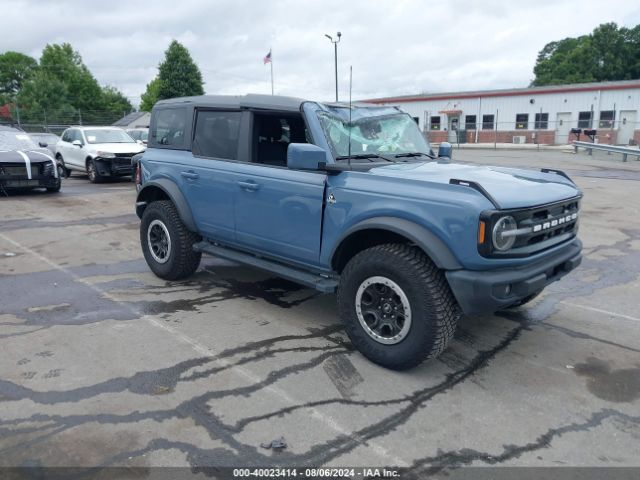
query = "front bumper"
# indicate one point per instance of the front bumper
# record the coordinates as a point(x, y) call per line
point(113, 167)
point(492, 290)
point(20, 182)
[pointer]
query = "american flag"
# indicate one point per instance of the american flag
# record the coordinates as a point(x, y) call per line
point(267, 58)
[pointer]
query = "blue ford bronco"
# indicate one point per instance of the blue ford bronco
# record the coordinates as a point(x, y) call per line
point(353, 200)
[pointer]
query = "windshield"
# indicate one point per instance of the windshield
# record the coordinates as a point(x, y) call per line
point(373, 131)
point(50, 138)
point(108, 136)
point(15, 140)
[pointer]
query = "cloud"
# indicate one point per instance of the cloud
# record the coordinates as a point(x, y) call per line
point(395, 47)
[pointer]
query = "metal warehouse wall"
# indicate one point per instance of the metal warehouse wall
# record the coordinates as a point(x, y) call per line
point(563, 110)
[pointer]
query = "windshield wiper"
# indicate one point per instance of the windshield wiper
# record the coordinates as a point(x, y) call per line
point(363, 155)
point(414, 154)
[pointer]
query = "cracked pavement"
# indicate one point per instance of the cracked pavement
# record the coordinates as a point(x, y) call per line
point(103, 364)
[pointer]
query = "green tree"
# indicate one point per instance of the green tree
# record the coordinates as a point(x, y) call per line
point(64, 91)
point(114, 101)
point(15, 69)
point(150, 96)
point(607, 53)
point(178, 75)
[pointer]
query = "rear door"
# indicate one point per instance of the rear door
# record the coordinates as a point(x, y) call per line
point(278, 211)
point(210, 180)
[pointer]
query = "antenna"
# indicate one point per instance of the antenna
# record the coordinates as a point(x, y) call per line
point(350, 126)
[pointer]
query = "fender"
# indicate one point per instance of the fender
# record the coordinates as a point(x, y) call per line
point(435, 248)
point(175, 195)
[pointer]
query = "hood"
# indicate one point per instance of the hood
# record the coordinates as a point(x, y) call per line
point(116, 147)
point(510, 187)
point(37, 155)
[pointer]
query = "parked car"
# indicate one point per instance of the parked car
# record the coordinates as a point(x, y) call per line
point(352, 200)
point(101, 152)
point(46, 140)
point(25, 165)
point(139, 134)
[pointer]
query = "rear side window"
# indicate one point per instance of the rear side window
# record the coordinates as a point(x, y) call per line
point(169, 127)
point(216, 134)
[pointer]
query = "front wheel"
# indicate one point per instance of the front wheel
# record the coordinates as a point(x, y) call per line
point(396, 305)
point(92, 172)
point(56, 187)
point(166, 242)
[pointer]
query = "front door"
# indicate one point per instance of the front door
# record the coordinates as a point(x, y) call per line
point(563, 127)
point(278, 211)
point(626, 126)
point(454, 127)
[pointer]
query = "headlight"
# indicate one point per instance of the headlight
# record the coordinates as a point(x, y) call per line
point(504, 233)
point(105, 154)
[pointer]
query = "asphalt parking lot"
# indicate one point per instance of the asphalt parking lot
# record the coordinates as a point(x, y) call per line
point(105, 364)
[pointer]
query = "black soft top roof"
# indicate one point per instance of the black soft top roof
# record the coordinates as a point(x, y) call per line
point(251, 100)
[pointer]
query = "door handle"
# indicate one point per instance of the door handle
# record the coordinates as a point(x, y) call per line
point(249, 185)
point(191, 175)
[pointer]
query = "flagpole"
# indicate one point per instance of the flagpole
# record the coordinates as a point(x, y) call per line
point(271, 64)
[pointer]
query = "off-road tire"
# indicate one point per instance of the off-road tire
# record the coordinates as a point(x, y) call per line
point(434, 310)
point(182, 260)
point(92, 172)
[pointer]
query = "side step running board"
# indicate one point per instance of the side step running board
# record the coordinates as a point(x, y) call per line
point(323, 284)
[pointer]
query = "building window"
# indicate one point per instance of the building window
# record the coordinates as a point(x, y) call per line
point(435, 123)
point(470, 122)
point(584, 119)
point(487, 122)
point(542, 121)
point(607, 118)
point(522, 121)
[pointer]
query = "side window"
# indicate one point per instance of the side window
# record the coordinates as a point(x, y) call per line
point(216, 134)
point(170, 126)
point(272, 134)
point(66, 136)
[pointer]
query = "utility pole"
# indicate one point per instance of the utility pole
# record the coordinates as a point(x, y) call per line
point(335, 56)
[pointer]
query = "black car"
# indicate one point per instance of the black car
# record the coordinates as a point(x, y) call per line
point(25, 165)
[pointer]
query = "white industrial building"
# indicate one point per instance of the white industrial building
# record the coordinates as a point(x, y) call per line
point(544, 115)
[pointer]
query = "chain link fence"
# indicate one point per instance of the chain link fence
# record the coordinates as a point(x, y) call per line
point(57, 122)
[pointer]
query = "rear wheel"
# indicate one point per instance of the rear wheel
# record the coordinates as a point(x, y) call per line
point(166, 242)
point(63, 171)
point(396, 306)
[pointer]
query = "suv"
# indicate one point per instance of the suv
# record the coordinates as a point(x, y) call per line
point(101, 152)
point(351, 199)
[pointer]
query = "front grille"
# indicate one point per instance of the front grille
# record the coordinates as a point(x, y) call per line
point(124, 155)
point(547, 222)
point(13, 169)
point(538, 228)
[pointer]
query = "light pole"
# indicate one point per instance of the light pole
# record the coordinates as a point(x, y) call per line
point(335, 50)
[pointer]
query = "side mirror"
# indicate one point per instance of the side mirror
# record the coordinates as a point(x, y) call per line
point(77, 143)
point(305, 156)
point(444, 150)
point(43, 144)
point(139, 142)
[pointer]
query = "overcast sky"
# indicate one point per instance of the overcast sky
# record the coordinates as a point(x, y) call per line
point(395, 47)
